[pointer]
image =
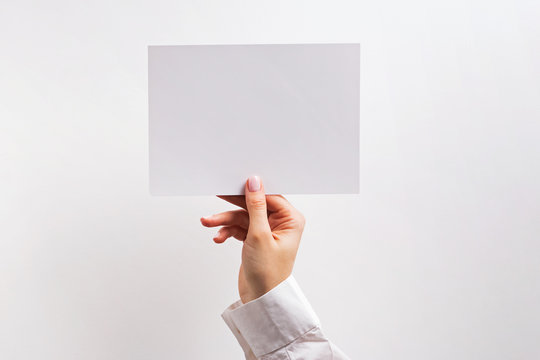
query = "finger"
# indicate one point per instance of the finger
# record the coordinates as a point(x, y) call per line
point(238, 200)
point(256, 206)
point(233, 217)
point(227, 231)
point(277, 202)
point(273, 202)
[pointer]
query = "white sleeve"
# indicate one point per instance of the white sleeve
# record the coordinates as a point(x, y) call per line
point(282, 325)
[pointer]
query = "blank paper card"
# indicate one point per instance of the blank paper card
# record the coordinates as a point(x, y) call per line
point(286, 112)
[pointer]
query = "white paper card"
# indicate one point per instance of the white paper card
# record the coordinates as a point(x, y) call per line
point(286, 112)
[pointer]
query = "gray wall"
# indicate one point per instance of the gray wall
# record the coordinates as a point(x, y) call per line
point(436, 259)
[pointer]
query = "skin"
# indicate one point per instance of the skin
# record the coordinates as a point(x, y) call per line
point(270, 228)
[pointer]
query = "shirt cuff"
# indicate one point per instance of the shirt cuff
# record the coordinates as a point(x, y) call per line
point(227, 318)
point(273, 320)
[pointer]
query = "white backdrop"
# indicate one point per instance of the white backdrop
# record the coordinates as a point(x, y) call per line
point(437, 258)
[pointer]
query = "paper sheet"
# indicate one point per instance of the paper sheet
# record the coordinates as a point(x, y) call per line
point(286, 112)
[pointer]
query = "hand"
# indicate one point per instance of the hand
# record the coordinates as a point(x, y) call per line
point(270, 228)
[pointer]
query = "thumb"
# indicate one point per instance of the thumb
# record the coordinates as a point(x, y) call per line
point(256, 207)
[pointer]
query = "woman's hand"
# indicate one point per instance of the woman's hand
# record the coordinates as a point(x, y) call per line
point(271, 229)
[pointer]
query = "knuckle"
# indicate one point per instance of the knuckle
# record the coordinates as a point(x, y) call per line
point(257, 203)
point(300, 219)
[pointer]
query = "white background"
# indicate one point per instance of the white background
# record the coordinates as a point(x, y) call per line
point(437, 258)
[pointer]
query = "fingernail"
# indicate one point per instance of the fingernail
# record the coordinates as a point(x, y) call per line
point(254, 183)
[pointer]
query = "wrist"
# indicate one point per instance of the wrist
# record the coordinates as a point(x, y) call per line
point(256, 289)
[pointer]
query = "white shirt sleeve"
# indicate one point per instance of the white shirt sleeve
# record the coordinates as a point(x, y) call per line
point(280, 325)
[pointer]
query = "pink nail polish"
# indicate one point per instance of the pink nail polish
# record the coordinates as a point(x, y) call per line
point(254, 183)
